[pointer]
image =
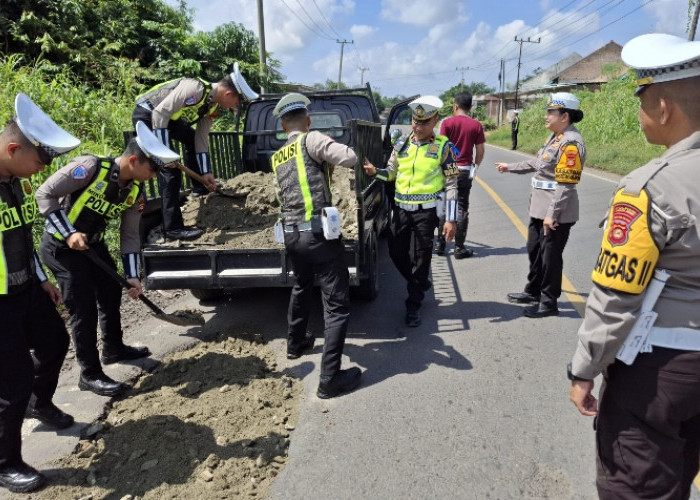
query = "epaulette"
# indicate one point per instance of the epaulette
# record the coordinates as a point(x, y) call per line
point(635, 182)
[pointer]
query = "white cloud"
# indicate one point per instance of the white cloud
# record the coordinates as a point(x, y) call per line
point(671, 17)
point(359, 31)
point(419, 12)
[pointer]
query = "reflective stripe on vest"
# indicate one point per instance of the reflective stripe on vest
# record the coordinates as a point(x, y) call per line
point(92, 201)
point(16, 236)
point(202, 110)
point(292, 154)
point(420, 171)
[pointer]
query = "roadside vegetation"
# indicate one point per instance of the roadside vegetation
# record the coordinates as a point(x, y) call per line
point(614, 140)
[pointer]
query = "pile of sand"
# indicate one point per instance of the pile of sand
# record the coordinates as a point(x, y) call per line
point(247, 219)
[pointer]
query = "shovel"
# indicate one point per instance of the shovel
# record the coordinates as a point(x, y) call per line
point(157, 311)
point(191, 173)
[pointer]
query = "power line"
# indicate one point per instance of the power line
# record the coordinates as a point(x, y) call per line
point(322, 30)
point(304, 23)
point(324, 18)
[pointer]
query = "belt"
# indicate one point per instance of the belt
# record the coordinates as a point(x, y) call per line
point(546, 185)
point(18, 277)
point(684, 339)
point(414, 207)
point(466, 168)
point(290, 228)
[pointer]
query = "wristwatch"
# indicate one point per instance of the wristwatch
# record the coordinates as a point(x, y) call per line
point(571, 376)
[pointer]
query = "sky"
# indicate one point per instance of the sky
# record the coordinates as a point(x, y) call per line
point(407, 47)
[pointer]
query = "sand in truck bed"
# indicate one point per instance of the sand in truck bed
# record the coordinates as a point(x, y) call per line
point(247, 220)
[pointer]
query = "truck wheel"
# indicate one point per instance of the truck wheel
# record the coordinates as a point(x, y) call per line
point(207, 294)
point(368, 289)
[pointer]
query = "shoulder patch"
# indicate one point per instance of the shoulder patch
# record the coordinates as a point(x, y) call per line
point(628, 253)
point(568, 170)
point(79, 172)
point(189, 101)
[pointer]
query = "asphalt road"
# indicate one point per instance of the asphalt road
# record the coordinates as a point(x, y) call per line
point(473, 404)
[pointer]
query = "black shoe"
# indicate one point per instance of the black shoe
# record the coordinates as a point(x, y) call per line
point(522, 298)
point(343, 381)
point(305, 345)
point(21, 478)
point(126, 352)
point(427, 285)
point(440, 248)
point(463, 253)
point(413, 318)
point(184, 234)
point(50, 415)
point(100, 384)
point(540, 311)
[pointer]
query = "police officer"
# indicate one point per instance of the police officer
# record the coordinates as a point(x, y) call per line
point(423, 166)
point(170, 109)
point(77, 201)
point(648, 415)
point(302, 169)
point(27, 299)
point(553, 204)
point(514, 129)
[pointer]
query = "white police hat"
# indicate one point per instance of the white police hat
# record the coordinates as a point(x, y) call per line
point(290, 102)
point(151, 146)
point(657, 58)
point(41, 130)
point(425, 107)
point(563, 100)
point(241, 86)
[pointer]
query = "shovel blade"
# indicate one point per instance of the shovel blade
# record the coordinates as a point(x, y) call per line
point(180, 321)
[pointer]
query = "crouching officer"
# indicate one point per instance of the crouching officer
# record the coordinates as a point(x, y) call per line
point(423, 166)
point(28, 380)
point(648, 414)
point(170, 109)
point(302, 169)
point(77, 202)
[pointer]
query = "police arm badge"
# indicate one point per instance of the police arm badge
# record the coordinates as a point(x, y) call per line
point(568, 169)
point(628, 253)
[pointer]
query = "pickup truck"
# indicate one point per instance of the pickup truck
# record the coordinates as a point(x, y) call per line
point(350, 117)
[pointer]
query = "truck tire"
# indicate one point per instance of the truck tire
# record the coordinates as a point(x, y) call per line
point(368, 289)
point(207, 294)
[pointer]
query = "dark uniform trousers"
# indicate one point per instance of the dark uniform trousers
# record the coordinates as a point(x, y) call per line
point(648, 426)
point(89, 294)
point(546, 260)
point(411, 250)
point(464, 189)
point(314, 256)
point(29, 321)
point(170, 179)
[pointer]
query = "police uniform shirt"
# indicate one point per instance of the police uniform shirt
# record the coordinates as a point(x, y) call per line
point(559, 160)
point(653, 222)
point(79, 173)
point(189, 92)
point(323, 149)
point(447, 161)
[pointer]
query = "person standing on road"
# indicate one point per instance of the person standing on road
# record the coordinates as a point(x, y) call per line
point(166, 109)
point(514, 128)
point(33, 337)
point(302, 171)
point(77, 201)
point(553, 204)
point(423, 166)
point(648, 414)
point(466, 134)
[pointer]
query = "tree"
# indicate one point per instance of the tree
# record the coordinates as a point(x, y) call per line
point(448, 97)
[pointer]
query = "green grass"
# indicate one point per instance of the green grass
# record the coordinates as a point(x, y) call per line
point(610, 129)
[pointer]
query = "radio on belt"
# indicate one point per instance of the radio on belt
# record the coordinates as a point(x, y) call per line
point(330, 220)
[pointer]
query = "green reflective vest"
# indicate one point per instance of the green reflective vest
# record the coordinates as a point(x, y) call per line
point(99, 201)
point(18, 210)
point(191, 113)
point(419, 176)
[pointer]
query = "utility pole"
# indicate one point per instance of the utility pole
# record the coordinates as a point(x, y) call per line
point(501, 90)
point(462, 69)
point(517, 79)
point(342, 46)
point(362, 75)
point(694, 22)
point(261, 48)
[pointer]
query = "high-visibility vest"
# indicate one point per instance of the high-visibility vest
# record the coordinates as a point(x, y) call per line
point(18, 210)
point(419, 176)
point(192, 114)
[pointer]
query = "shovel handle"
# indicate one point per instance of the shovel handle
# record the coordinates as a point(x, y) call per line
point(191, 173)
point(122, 281)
